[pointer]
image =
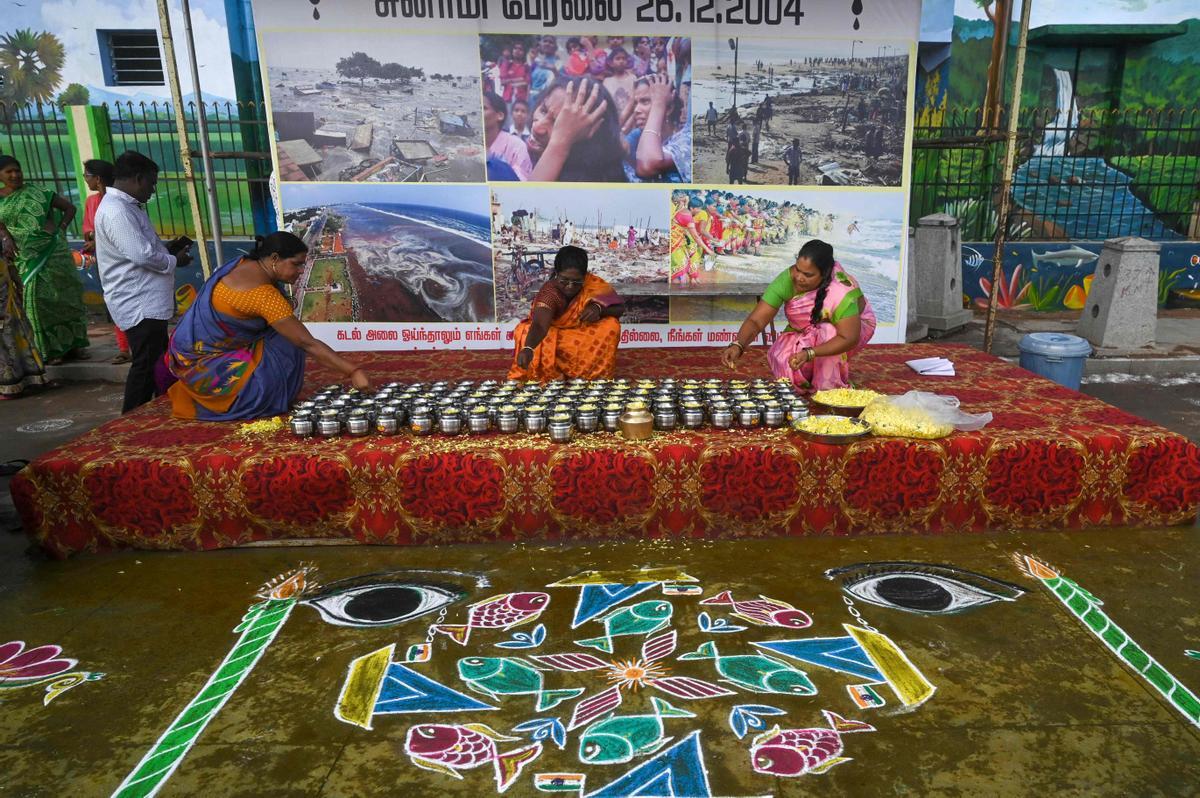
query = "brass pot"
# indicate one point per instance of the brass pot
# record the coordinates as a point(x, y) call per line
point(636, 425)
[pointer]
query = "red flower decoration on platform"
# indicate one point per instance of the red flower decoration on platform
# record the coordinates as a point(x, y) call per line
point(1016, 420)
point(190, 435)
point(1165, 474)
point(149, 496)
point(893, 478)
point(603, 486)
point(298, 490)
point(452, 488)
point(749, 483)
point(1033, 476)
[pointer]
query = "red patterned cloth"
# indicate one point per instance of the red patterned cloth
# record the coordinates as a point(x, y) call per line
point(1052, 459)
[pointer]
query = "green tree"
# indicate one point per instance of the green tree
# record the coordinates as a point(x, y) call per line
point(32, 66)
point(359, 65)
point(74, 94)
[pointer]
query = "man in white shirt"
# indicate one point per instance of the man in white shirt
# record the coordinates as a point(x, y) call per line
point(137, 271)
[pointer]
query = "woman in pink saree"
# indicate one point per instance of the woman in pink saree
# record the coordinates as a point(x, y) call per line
point(829, 319)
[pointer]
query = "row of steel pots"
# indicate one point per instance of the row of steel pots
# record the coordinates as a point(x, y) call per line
point(560, 408)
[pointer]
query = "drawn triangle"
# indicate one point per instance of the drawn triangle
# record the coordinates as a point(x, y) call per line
point(595, 600)
point(677, 772)
point(404, 690)
point(836, 653)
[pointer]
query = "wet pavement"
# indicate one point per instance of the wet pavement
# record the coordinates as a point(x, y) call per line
point(1027, 700)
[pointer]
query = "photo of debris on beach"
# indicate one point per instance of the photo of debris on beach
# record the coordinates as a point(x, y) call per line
point(374, 107)
point(624, 231)
point(746, 237)
point(631, 84)
point(806, 112)
point(392, 253)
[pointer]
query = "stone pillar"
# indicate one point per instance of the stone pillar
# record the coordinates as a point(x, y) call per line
point(936, 271)
point(915, 330)
point(90, 133)
point(1122, 307)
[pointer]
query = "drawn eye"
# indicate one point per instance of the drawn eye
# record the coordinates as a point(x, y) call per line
point(379, 604)
point(425, 731)
point(922, 588)
point(591, 751)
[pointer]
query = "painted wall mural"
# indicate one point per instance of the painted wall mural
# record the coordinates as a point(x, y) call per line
point(1056, 276)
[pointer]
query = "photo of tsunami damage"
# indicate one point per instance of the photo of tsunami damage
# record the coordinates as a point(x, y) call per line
point(378, 108)
point(392, 253)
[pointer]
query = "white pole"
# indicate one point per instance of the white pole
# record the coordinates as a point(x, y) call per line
point(210, 183)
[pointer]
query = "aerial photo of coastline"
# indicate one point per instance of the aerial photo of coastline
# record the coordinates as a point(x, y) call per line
point(624, 231)
point(806, 113)
point(392, 253)
point(375, 107)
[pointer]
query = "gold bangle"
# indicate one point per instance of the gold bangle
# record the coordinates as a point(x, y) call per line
point(738, 344)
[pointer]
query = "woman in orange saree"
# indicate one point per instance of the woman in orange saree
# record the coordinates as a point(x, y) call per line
point(572, 330)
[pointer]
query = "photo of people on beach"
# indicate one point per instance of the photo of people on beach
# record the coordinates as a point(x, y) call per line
point(604, 109)
point(808, 113)
point(392, 253)
point(748, 236)
point(375, 107)
point(623, 230)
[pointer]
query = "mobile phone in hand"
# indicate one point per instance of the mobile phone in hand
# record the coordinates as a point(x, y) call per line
point(181, 244)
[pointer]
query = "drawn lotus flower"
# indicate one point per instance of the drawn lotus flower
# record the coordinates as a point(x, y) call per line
point(18, 666)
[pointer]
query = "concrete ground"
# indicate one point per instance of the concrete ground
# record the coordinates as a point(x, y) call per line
point(1027, 702)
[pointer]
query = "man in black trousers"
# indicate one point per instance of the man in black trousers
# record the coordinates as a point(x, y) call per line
point(137, 271)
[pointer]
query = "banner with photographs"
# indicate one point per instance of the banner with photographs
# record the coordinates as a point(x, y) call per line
point(435, 154)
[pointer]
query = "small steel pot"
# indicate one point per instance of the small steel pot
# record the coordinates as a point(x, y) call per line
point(358, 423)
point(774, 416)
point(560, 431)
point(329, 425)
point(421, 421)
point(721, 416)
point(693, 417)
point(535, 422)
point(665, 418)
point(302, 425)
point(450, 423)
point(749, 417)
point(588, 420)
point(479, 423)
point(387, 423)
point(611, 418)
point(507, 422)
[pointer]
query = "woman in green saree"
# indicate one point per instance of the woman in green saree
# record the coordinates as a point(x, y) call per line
point(36, 218)
point(20, 365)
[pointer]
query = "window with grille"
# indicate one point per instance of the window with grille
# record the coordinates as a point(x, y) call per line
point(131, 57)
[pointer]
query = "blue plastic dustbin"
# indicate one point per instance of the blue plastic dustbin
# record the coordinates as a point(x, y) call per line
point(1055, 356)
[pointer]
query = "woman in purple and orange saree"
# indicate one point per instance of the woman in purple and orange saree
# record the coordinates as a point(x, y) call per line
point(239, 353)
point(829, 319)
point(572, 331)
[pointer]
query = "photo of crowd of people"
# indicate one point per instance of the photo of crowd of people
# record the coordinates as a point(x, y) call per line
point(749, 236)
point(810, 113)
point(606, 109)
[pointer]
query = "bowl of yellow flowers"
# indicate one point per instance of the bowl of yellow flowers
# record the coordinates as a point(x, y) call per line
point(847, 402)
point(837, 430)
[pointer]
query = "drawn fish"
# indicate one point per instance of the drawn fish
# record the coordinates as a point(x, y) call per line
point(763, 611)
point(449, 749)
point(1072, 256)
point(639, 619)
point(498, 612)
point(756, 672)
point(795, 752)
point(620, 738)
point(497, 676)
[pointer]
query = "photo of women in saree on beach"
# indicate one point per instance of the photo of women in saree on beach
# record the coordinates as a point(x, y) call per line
point(392, 253)
point(623, 230)
point(602, 109)
point(800, 112)
point(748, 236)
point(365, 106)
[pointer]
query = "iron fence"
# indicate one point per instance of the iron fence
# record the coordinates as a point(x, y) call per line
point(240, 165)
point(1089, 176)
point(37, 136)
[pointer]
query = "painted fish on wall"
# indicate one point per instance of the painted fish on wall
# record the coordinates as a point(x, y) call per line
point(500, 676)
point(640, 619)
point(756, 672)
point(762, 611)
